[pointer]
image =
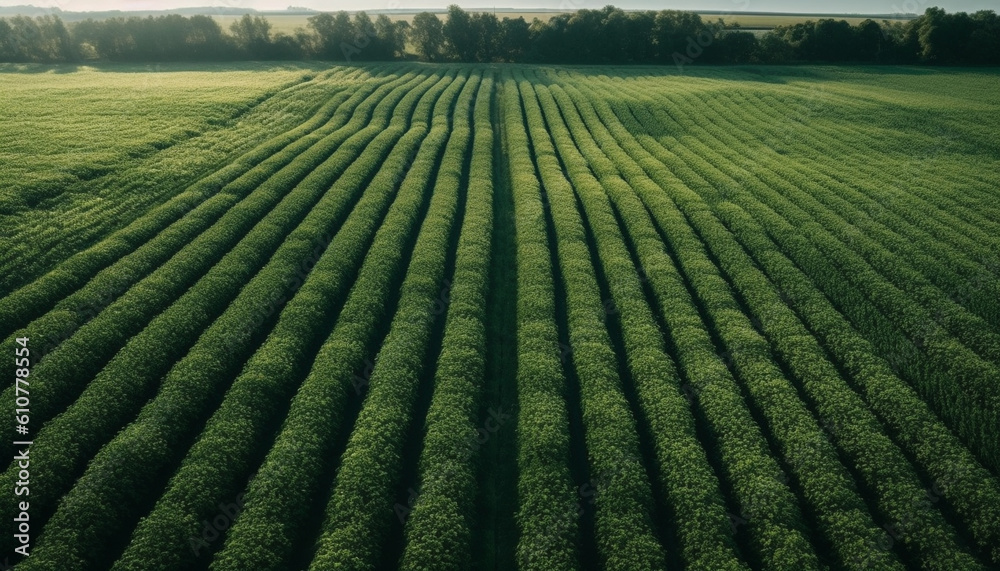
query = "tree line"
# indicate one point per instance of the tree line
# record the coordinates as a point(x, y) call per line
point(608, 35)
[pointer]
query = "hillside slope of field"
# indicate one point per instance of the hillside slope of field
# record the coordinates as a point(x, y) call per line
point(411, 316)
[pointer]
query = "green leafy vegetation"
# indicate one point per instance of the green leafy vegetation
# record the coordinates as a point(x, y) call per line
point(608, 35)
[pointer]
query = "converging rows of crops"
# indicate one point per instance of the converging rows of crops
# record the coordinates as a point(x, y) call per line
point(438, 317)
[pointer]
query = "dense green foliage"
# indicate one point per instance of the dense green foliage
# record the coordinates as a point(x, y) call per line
point(753, 317)
point(607, 35)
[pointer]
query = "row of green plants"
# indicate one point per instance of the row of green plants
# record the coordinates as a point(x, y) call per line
point(127, 183)
point(943, 202)
point(623, 526)
point(951, 218)
point(298, 465)
point(87, 303)
point(64, 372)
point(767, 505)
point(439, 528)
point(853, 196)
point(188, 207)
point(871, 451)
point(229, 448)
point(368, 478)
point(825, 484)
point(66, 442)
point(96, 278)
point(915, 365)
point(952, 377)
point(955, 474)
point(115, 381)
point(128, 379)
point(828, 208)
point(811, 121)
point(547, 513)
point(682, 468)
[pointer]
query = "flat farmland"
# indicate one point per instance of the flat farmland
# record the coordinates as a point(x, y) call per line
point(443, 316)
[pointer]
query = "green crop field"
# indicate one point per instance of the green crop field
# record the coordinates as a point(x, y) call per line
point(432, 317)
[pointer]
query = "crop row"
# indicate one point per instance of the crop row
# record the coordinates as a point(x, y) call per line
point(85, 201)
point(958, 477)
point(115, 193)
point(119, 390)
point(872, 452)
point(623, 497)
point(113, 480)
point(547, 511)
point(49, 244)
point(964, 280)
point(87, 303)
point(298, 466)
point(183, 216)
point(848, 123)
point(800, 203)
point(826, 485)
point(62, 375)
point(274, 175)
point(954, 379)
point(438, 530)
point(768, 507)
point(368, 478)
point(684, 472)
point(950, 219)
point(962, 480)
point(229, 447)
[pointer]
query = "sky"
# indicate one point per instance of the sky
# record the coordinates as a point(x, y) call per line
point(809, 6)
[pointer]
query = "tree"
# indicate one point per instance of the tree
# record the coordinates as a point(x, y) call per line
point(639, 28)
point(6, 41)
point(391, 37)
point(515, 37)
point(427, 35)
point(774, 48)
point(460, 34)
point(333, 31)
point(253, 35)
point(984, 42)
point(870, 41)
point(205, 39)
point(734, 47)
point(487, 33)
